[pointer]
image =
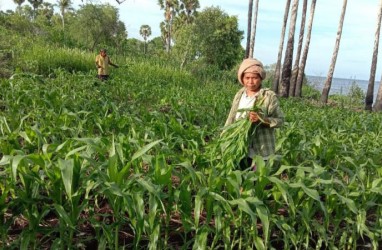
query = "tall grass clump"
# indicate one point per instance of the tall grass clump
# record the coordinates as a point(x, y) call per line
point(44, 60)
point(354, 99)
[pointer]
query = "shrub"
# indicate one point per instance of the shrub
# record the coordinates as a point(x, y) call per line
point(356, 95)
point(45, 60)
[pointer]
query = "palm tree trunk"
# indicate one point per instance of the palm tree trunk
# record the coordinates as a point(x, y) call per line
point(378, 102)
point(328, 82)
point(370, 88)
point(169, 37)
point(276, 78)
point(287, 67)
point(299, 48)
point(168, 19)
point(185, 55)
point(253, 33)
point(249, 26)
point(301, 70)
point(63, 19)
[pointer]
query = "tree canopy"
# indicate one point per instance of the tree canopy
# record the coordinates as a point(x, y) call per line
point(219, 37)
point(210, 37)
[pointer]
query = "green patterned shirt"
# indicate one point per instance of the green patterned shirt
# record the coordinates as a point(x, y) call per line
point(263, 142)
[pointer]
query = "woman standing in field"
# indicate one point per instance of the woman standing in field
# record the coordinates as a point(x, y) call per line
point(265, 112)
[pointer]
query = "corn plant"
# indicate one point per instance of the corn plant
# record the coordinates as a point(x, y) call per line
point(121, 165)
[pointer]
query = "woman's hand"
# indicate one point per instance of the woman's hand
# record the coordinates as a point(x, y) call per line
point(253, 117)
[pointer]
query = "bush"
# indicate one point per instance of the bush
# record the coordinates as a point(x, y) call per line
point(354, 99)
point(356, 95)
point(6, 57)
point(310, 92)
point(45, 60)
point(204, 73)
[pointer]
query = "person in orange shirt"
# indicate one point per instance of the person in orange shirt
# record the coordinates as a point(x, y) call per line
point(102, 63)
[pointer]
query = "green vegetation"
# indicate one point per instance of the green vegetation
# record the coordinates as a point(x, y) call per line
point(125, 164)
point(354, 99)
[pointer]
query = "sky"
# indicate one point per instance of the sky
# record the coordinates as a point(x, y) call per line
point(356, 45)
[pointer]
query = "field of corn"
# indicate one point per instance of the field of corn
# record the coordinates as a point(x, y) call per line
point(128, 164)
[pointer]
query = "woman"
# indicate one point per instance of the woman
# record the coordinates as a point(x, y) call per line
point(251, 73)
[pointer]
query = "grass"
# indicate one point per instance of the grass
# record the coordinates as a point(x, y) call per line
point(124, 163)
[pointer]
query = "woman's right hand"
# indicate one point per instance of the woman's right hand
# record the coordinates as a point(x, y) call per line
point(253, 117)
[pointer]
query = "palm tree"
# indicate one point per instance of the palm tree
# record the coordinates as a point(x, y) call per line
point(187, 14)
point(328, 82)
point(301, 70)
point(370, 87)
point(35, 4)
point(287, 67)
point(171, 7)
point(253, 33)
point(249, 26)
point(47, 10)
point(19, 3)
point(188, 7)
point(64, 5)
point(164, 34)
point(276, 78)
point(145, 32)
point(298, 52)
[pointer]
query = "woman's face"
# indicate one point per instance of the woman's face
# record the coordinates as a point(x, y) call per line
point(252, 81)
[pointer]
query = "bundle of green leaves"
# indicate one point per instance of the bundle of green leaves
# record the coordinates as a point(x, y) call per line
point(232, 145)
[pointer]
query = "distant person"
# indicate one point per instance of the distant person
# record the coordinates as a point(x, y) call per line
point(102, 63)
point(251, 74)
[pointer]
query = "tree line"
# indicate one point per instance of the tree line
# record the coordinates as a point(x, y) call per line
point(209, 37)
point(288, 78)
point(189, 37)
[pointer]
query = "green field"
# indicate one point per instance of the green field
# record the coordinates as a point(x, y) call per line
point(127, 164)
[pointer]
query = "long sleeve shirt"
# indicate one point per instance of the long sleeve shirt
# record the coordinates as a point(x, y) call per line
point(263, 141)
point(103, 64)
